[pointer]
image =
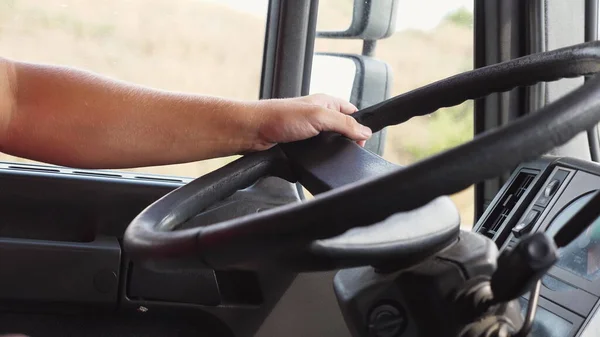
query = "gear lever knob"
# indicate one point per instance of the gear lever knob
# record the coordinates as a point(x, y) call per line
point(520, 268)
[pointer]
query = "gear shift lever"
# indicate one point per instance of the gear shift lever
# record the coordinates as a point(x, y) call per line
point(522, 267)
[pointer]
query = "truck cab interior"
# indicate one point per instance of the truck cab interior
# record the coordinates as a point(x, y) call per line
point(473, 211)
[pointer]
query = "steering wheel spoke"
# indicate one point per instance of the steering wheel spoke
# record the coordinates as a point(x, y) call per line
point(338, 162)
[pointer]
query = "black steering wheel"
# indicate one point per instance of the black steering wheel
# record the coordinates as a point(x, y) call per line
point(367, 211)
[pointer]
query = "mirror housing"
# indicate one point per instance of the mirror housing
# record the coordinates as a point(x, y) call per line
point(362, 80)
point(371, 20)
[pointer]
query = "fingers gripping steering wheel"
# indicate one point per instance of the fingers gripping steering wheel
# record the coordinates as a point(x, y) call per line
point(367, 211)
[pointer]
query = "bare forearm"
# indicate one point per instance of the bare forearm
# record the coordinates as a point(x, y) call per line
point(74, 118)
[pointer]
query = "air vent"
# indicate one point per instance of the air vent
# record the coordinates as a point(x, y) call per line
point(33, 168)
point(510, 198)
point(171, 180)
point(112, 175)
point(98, 174)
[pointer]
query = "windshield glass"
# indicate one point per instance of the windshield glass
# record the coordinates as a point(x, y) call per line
point(200, 46)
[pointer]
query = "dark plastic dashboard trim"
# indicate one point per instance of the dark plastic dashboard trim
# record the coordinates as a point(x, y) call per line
point(241, 317)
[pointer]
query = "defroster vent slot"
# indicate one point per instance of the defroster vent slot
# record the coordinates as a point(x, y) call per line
point(509, 200)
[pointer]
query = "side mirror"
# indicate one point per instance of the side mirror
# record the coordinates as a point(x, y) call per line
point(371, 20)
point(361, 80)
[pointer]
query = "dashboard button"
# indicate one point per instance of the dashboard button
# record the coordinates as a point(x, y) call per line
point(525, 225)
point(551, 188)
point(542, 200)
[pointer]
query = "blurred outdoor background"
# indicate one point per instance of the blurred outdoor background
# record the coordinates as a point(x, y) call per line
point(214, 47)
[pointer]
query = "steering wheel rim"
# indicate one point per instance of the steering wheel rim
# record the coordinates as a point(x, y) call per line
point(265, 236)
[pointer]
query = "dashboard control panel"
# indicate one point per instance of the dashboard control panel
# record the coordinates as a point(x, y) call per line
point(542, 196)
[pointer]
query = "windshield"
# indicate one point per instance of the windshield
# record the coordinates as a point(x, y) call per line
point(183, 45)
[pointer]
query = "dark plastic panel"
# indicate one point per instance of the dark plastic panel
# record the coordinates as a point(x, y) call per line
point(55, 219)
point(46, 271)
point(112, 325)
point(194, 287)
point(563, 293)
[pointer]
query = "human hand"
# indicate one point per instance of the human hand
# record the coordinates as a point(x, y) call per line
point(294, 119)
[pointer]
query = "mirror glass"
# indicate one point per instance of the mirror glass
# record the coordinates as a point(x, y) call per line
point(334, 15)
point(333, 75)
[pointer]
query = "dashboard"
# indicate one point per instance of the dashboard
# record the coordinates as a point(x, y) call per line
point(542, 196)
